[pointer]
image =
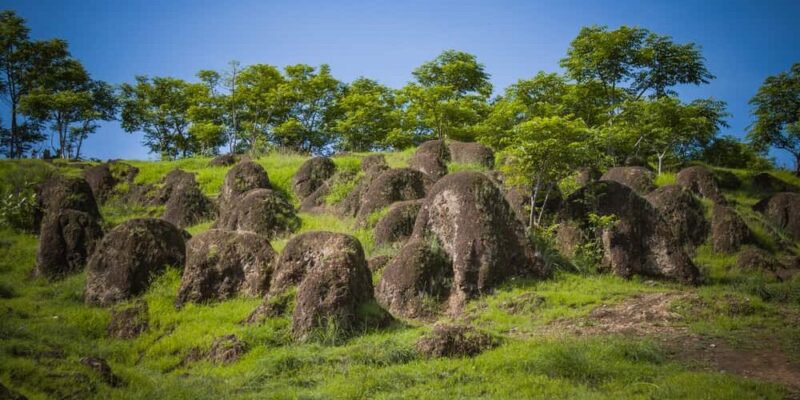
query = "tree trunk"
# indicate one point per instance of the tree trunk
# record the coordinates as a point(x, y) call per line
point(14, 131)
point(534, 196)
point(797, 164)
point(544, 204)
point(660, 161)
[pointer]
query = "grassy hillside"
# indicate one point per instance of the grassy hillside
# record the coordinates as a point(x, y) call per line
point(580, 334)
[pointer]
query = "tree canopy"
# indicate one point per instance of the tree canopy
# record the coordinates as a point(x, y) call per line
point(776, 107)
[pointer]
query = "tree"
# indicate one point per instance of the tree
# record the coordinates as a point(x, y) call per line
point(729, 152)
point(22, 62)
point(449, 96)
point(545, 150)
point(776, 107)
point(369, 116)
point(630, 62)
point(223, 96)
point(666, 126)
point(266, 101)
point(159, 107)
point(312, 97)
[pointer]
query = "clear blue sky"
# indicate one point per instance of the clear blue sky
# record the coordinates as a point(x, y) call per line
point(743, 41)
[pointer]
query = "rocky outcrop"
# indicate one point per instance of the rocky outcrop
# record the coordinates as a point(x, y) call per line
point(242, 178)
point(465, 233)
point(471, 153)
point(728, 230)
point(262, 211)
point(638, 241)
point(67, 239)
point(389, 187)
point(65, 193)
point(186, 204)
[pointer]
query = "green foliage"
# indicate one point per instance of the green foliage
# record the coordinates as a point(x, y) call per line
point(369, 115)
point(728, 152)
point(775, 108)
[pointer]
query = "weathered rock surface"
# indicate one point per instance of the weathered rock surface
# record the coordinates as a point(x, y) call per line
point(223, 264)
point(171, 183)
point(103, 178)
point(431, 159)
point(392, 186)
point(67, 239)
point(639, 242)
point(683, 213)
point(129, 256)
point(753, 258)
point(187, 205)
point(65, 193)
point(374, 163)
point(701, 181)
point(242, 178)
point(262, 211)
point(311, 175)
point(783, 210)
point(728, 230)
point(398, 223)
point(479, 236)
point(226, 350)
point(471, 153)
point(333, 283)
point(640, 179)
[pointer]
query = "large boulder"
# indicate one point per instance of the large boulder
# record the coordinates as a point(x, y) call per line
point(65, 193)
point(640, 179)
point(431, 159)
point(223, 264)
point(728, 230)
point(471, 153)
point(482, 242)
point(701, 181)
point(638, 242)
point(783, 210)
point(242, 178)
point(398, 223)
point(187, 205)
point(129, 256)
point(391, 186)
point(263, 211)
point(173, 181)
point(311, 175)
point(683, 212)
point(67, 239)
point(334, 285)
point(587, 175)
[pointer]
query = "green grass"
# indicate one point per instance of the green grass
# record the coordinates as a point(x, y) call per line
point(666, 178)
point(47, 328)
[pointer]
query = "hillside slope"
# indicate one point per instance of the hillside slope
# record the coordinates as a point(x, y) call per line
point(582, 333)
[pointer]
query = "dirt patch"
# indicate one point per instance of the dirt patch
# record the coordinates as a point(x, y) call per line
point(652, 314)
point(764, 363)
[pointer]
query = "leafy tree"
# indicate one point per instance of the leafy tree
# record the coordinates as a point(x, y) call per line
point(776, 107)
point(22, 62)
point(545, 150)
point(159, 107)
point(369, 116)
point(312, 97)
point(666, 127)
point(449, 96)
point(630, 62)
point(71, 103)
point(266, 101)
point(729, 152)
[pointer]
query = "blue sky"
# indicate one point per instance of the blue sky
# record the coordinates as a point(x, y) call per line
point(743, 41)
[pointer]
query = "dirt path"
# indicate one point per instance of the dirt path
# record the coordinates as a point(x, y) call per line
point(650, 314)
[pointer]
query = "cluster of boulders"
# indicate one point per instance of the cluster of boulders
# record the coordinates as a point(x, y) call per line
point(456, 236)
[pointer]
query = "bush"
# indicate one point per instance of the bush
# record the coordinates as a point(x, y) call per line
point(18, 208)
